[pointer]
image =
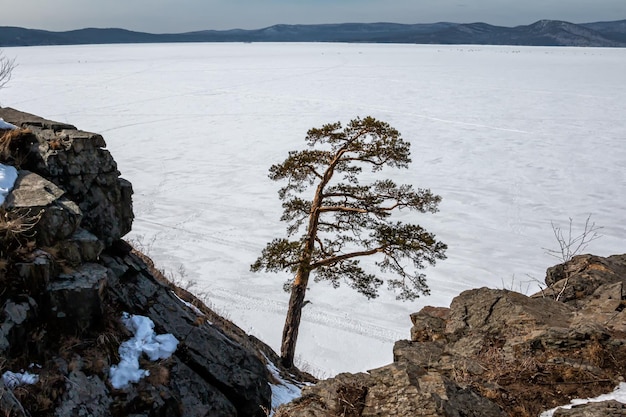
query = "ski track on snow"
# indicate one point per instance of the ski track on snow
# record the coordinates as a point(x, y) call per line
point(310, 314)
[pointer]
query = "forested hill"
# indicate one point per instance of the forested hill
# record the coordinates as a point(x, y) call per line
point(541, 33)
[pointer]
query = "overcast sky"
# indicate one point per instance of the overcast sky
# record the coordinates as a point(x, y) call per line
point(170, 16)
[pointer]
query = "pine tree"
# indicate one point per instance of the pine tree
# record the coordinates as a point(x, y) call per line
point(346, 220)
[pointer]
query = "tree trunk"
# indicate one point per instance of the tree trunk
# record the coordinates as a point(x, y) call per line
point(292, 322)
point(298, 289)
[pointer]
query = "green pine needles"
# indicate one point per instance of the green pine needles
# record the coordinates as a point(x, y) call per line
point(345, 220)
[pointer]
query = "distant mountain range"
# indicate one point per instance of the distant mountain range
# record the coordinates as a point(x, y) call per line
point(541, 33)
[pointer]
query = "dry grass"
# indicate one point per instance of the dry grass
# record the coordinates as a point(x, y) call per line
point(16, 227)
point(530, 381)
point(15, 146)
point(41, 398)
point(159, 372)
point(351, 399)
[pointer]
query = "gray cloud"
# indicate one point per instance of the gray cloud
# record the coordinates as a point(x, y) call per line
point(161, 16)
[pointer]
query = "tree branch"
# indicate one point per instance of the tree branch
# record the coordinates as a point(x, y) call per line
point(335, 259)
point(342, 209)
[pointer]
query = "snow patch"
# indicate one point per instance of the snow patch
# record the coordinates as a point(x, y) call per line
point(188, 304)
point(13, 380)
point(619, 394)
point(156, 346)
point(6, 126)
point(284, 391)
point(8, 175)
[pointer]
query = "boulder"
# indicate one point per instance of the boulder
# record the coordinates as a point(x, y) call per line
point(45, 213)
point(89, 397)
point(577, 279)
point(77, 324)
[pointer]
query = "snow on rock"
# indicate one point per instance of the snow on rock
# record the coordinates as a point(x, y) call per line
point(188, 304)
point(6, 126)
point(156, 346)
point(13, 380)
point(619, 394)
point(8, 175)
point(284, 391)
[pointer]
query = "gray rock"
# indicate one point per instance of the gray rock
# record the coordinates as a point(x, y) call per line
point(81, 247)
point(14, 327)
point(26, 120)
point(36, 273)
point(610, 408)
point(197, 398)
point(429, 324)
point(87, 396)
point(40, 202)
point(497, 352)
point(75, 298)
point(579, 278)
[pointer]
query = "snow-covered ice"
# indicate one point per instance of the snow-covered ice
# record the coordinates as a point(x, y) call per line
point(8, 176)
point(13, 380)
point(512, 138)
point(144, 340)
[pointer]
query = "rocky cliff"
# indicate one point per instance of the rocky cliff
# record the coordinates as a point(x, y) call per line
point(66, 278)
point(498, 353)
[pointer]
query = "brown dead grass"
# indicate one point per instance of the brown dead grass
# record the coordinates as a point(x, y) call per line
point(351, 400)
point(16, 230)
point(41, 398)
point(15, 146)
point(536, 380)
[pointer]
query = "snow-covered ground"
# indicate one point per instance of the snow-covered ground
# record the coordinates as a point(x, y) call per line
point(512, 138)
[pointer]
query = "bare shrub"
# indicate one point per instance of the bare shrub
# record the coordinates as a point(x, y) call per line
point(571, 245)
point(6, 69)
point(14, 226)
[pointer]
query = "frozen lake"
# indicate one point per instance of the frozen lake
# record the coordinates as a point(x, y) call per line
point(512, 138)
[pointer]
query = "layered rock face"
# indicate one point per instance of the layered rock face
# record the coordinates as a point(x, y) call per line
point(498, 353)
point(66, 277)
point(81, 171)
